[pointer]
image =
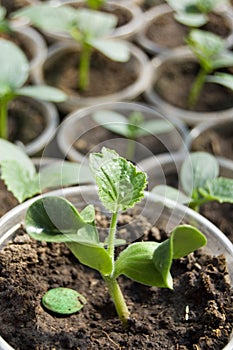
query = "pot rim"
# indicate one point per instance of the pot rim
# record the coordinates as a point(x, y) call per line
point(213, 231)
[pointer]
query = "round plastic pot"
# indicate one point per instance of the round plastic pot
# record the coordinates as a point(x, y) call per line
point(50, 114)
point(140, 65)
point(152, 207)
point(191, 118)
point(81, 123)
point(155, 13)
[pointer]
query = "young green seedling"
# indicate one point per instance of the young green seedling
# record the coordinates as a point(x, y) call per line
point(22, 179)
point(132, 127)
point(194, 13)
point(14, 73)
point(120, 187)
point(212, 54)
point(89, 28)
point(200, 182)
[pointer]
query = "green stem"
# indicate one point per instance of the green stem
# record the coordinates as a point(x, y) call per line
point(196, 88)
point(130, 151)
point(3, 119)
point(112, 234)
point(118, 300)
point(84, 67)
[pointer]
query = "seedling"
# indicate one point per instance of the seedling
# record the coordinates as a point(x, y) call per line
point(95, 4)
point(120, 187)
point(212, 55)
point(22, 179)
point(14, 73)
point(194, 13)
point(132, 127)
point(200, 182)
point(89, 28)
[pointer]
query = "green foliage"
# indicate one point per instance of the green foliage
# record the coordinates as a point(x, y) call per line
point(95, 4)
point(200, 182)
point(4, 23)
point(194, 13)
point(14, 73)
point(121, 186)
point(89, 28)
point(212, 55)
point(21, 178)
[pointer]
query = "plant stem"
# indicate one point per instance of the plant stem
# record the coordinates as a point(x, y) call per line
point(3, 118)
point(130, 151)
point(196, 88)
point(118, 300)
point(84, 67)
point(112, 234)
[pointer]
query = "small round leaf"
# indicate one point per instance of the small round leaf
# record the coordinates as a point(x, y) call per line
point(63, 301)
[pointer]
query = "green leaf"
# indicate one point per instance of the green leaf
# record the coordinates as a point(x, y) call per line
point(60, 174)
point(48, 17)
point(186, 239)
point(96, 257)
point(14, 66)
point(9, 151)
point(88, 213)
point(42, 92)
point(162, 259)
point(18, 180)
point(155, 127)
point(120, 185)
point(191, 19)
point(116, 50)
point(64, 301)
point(220, 189)
point(171, 193)
point(54, 219)
point(196, 170)
point(136, 262)
point(112, 121)
point(223, 60)
point(206, 46)
point(95, 24)
point(223, 79)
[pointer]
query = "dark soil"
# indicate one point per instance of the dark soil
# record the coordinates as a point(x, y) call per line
point(216, 141)
point(147, 4)
point(174, 76)
point(7, 200)
point(13, 5)
point(106, 76)
point(167, 32)
point(29, 268)
point(25, 121)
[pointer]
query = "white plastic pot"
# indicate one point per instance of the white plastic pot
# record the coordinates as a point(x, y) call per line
point(50, 114)
point(170, 215)
point(140, 64)
point(189, 117)
point(81, 123)
point(156, 13)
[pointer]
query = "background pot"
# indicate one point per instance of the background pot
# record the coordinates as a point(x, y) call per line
point(215, 137)
point(191, 118)
point(81, 130)
point(156, 14)
point(151, 206)
point(138, 63)
point(50, 114)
